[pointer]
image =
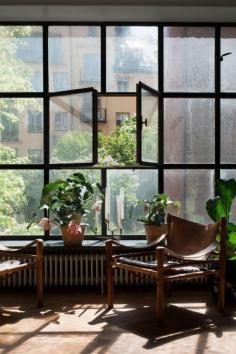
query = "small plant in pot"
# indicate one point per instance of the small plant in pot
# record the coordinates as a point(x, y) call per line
point(155, 214)
point(65, 202)
point(220, 207)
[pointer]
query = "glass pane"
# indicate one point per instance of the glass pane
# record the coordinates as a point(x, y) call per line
point(193, 188)
point(74, 57)
point(228, 131)
point(21, 130)
point(228, 66)
point(137, 184)
point(117, 131)
point(132, 56)
point(189, 130)
point(189, 57)
point(149, 137)
point(21, 58)
point(93, 219)
point(227, 174)
point(19, 199)
point(71, 128)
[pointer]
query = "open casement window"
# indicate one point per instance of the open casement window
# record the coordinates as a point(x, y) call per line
point(76, 140)
point(147, 125)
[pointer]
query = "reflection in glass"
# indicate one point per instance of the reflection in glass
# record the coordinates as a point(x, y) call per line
point(21, 130)
point(189, 54)
point(74, 57)
point(137, 184)
point(19, 199)
point(21, 58)
point(193, 188)
point(132, 56)
point(228, 131)
point(228, 67)
point(93, 219)
point(71, 128)
point(149, 137)
point(189, 130)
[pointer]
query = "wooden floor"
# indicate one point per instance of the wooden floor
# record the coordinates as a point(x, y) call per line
point(75, 321)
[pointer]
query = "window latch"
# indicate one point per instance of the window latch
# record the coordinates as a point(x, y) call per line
point(145, 122)
point(224, 55)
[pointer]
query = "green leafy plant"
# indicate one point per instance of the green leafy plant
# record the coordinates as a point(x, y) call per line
point(220, 207)
point(155, 209)
point(67, 199)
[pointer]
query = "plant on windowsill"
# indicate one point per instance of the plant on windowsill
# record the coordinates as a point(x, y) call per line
point(155, 214)
point(66, 202)
point(220, 207)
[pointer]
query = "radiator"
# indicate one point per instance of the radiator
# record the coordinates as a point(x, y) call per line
point(77, 270)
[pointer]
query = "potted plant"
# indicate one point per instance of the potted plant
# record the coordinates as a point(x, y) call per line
point(65, 202)
point(155, 214)
point(219, 207)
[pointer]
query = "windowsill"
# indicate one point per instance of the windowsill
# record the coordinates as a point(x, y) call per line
point(57, 246)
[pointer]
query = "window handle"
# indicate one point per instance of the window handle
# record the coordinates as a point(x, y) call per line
point(224, 55)
point(145, 122)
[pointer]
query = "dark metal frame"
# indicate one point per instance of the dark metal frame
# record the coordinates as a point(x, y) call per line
point(161, 166)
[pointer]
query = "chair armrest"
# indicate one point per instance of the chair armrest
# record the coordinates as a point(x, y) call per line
point(143, 247)
point(196, 257)
point(17, 251)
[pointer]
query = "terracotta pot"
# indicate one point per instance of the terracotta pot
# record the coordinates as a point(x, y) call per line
point(71, 239)
point(153, 232)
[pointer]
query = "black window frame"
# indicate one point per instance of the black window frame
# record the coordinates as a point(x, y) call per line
point(217, 95)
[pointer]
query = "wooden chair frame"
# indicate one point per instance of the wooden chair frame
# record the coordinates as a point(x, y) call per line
point(32, 262)
point(162, 279)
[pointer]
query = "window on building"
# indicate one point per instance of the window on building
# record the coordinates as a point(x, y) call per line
point(91, 69)
point(60, 81)
point(30, 48)
point(121, 117)
point(10, 130)
point(122, 85)
point(61, 121)
point(55, 46)
point(35, 155)
point(35, 122)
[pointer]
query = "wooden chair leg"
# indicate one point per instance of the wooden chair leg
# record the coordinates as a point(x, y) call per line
point(221, 294)
point(39, 273)
point(110, 288)
point(160, 286)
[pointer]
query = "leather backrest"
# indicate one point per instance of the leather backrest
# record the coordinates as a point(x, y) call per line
point(186, 237)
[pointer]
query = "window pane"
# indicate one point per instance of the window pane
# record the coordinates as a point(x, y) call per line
point(93, 219)
point(132, 56)
point(73, 113)
point(228, 66)
point(228, 131)
point(193, 188)
point(21, 55)
point(227, 174)
point(19, 199)
point(74, 57)
point(189, 130)
point(189, 59)
point(149, 137)
point(137, 184)
point(21, 130)
point(117, 131)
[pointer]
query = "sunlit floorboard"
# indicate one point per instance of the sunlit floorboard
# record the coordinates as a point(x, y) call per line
point(76, 321)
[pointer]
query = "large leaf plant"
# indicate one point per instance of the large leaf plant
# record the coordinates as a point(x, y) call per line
point(65, 200)
point(220, 207)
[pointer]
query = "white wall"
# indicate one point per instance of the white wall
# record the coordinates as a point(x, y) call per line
point(118, 13)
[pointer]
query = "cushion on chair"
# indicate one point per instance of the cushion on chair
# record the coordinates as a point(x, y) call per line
point(7, 265)
point(170, 267)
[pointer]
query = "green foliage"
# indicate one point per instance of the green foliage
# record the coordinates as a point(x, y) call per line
point(72, 146)
point(67, 199)
point(119, 147)
point(155, 209)
point(220, 207)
